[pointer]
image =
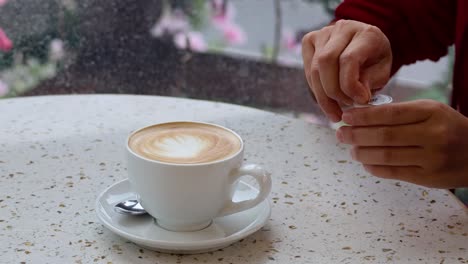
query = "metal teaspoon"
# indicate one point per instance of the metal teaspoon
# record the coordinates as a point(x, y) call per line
point(130, 207)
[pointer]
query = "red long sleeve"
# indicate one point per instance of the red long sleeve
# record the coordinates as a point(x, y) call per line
point(417, 29)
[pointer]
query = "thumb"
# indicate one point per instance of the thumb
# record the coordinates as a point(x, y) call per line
point(376, 76)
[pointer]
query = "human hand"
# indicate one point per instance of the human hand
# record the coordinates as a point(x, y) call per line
point(344, 62)
point(423, 142)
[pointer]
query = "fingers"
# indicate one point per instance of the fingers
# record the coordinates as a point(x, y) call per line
point(350, 69)
point(403, 135)
point(390, 114)
point(308, 51)
point(411, 174)
point(328, 63)
point(369, 52)
point(312, 43)
point(389, 156)
point(329, 106)
point(376, 76)
point(343, 62)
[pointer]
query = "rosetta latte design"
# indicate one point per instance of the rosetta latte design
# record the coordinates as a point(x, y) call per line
point(181, 146)
point(184, 143)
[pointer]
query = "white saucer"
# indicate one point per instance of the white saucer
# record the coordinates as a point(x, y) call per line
point(143, 231)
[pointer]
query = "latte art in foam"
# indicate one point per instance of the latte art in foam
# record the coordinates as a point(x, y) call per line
point(185, 143)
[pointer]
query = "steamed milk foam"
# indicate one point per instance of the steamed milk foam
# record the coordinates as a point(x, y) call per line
point(184, 143)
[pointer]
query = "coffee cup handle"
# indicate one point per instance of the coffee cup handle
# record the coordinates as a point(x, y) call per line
point(264, 181)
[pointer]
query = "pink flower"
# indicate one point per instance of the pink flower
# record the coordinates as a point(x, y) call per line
point(56, 50)
point(222, 12)
point(4, 89)
point(222, 17)
point(194, 39)
point(233, 34)
point(5, 42)
point(290, 42)
point(3, 2)
point(170, 23)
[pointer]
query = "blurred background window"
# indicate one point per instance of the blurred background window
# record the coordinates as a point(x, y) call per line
point(243, 52)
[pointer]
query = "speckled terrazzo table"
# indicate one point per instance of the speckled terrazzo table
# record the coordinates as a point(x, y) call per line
point(57, 153)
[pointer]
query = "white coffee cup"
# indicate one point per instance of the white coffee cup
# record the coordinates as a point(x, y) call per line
point(187, 197)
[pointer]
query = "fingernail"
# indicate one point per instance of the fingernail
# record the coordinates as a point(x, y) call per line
point(348, 102)
point(334, 117)
point(339, 135)
point(347, 118)
point(360, 99)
